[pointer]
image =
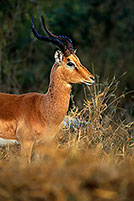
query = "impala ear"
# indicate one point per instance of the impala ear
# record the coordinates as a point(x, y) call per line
point(58, 56)
point(75, 51)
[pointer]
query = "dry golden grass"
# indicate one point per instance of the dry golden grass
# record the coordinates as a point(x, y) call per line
point(93, 162)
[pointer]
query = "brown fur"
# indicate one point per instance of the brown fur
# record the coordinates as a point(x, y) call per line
point(33, 116)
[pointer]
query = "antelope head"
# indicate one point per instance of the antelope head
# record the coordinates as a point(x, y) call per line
point(69, 67)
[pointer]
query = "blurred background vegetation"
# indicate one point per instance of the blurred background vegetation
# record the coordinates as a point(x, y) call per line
point(101, 30)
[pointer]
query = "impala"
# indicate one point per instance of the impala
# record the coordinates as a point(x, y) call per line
point(33, 117)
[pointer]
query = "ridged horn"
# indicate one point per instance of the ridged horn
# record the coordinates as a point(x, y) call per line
point(65, 39)
point(53, 40)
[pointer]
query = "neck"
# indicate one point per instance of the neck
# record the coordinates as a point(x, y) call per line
point(57, 99)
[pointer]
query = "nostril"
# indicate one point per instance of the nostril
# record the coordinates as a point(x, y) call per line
point(92, 78)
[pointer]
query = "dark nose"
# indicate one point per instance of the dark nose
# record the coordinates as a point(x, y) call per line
point(92, 78)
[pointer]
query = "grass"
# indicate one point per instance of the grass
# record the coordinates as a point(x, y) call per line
point(93, 162)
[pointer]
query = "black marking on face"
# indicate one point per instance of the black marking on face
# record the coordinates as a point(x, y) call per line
point(76, 68)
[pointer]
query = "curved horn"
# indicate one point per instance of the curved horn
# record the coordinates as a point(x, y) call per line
point(53, 40)
point(65, 39)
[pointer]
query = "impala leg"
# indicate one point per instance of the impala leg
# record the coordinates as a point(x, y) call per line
point(26, 150)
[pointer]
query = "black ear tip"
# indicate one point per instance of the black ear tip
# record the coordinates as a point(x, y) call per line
point(56, 49)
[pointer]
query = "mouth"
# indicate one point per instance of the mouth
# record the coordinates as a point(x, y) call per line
point(87, 82)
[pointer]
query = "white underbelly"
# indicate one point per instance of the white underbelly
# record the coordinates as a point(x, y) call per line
point(6, 142)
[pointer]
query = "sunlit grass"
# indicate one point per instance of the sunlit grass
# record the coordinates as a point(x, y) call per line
point(91, 162)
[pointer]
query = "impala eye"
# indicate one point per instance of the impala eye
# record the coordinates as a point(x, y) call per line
point(70, 64)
